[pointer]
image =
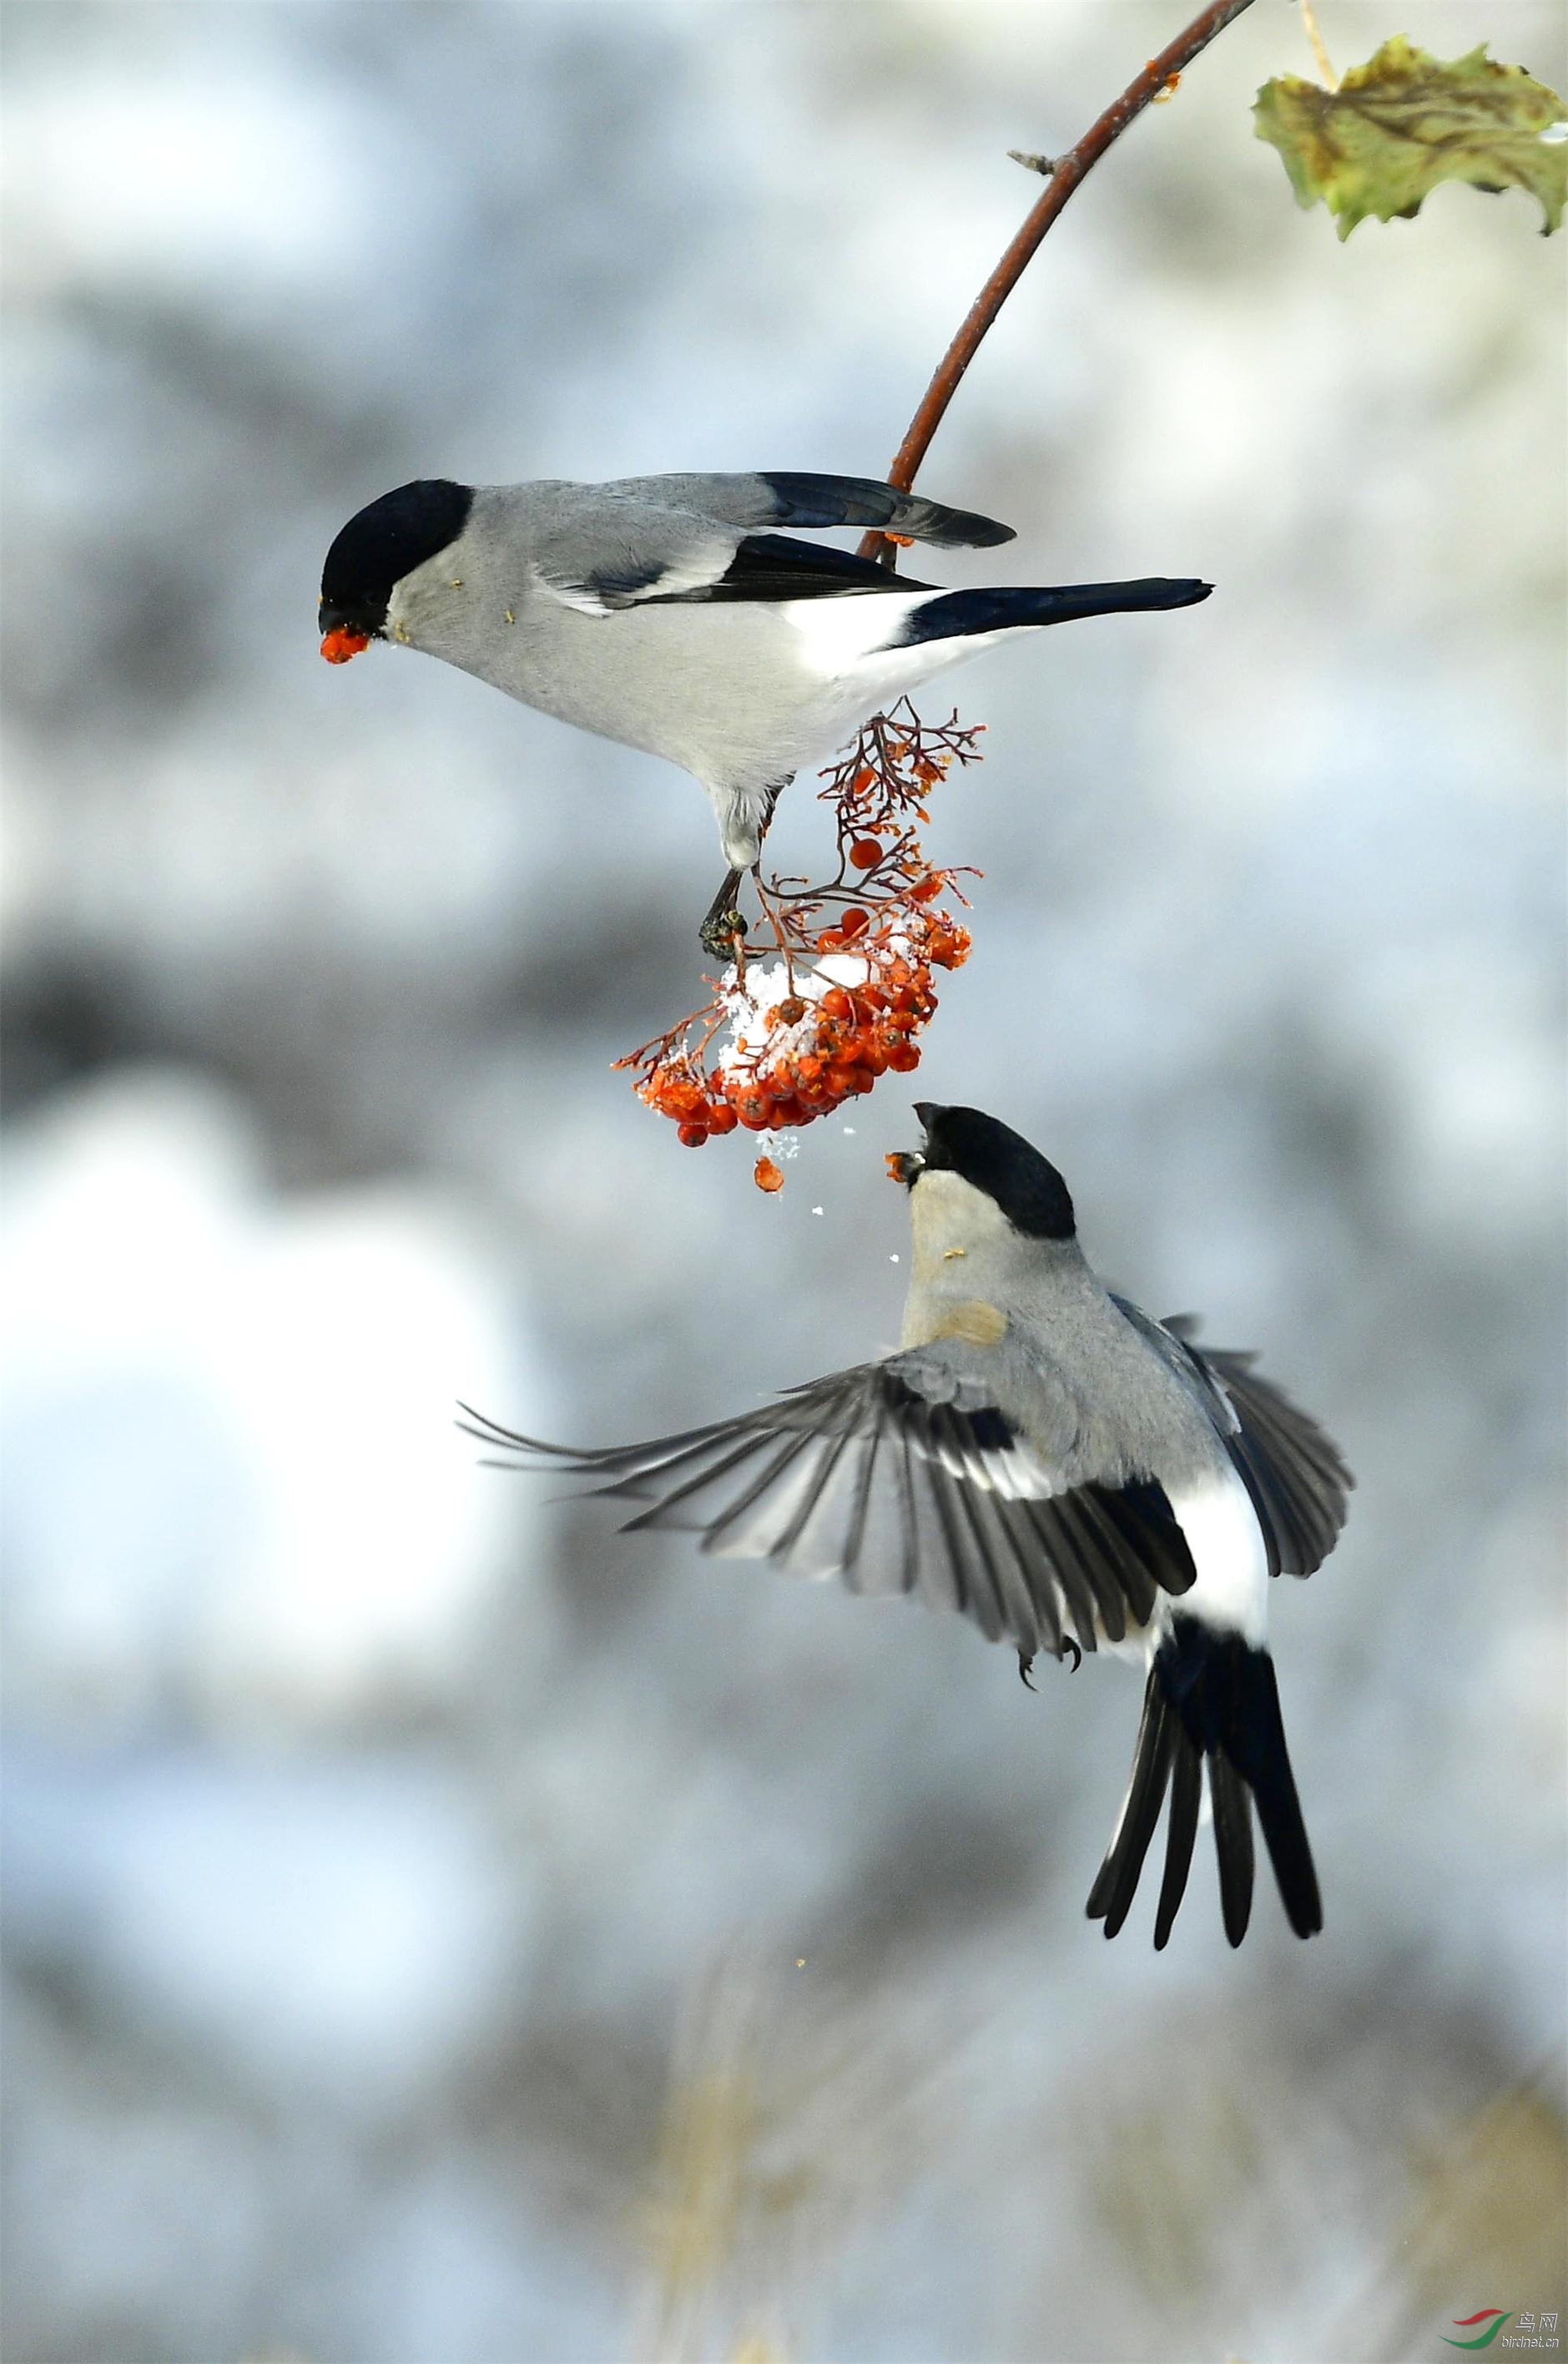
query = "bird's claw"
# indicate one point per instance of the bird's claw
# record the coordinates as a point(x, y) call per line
point(1027, 1659)
point(722, 933)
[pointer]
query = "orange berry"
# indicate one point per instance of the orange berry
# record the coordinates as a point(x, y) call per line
point(339, 644)
point(792, 1009)
point(863, 779)
point(766, 1174)
point(835, 1002)
point(905, 1058)
point(854, 921)
point(923, 889)
point(721, 1118)
point(865, 852)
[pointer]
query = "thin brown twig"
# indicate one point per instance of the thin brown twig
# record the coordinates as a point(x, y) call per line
point(1067, 171)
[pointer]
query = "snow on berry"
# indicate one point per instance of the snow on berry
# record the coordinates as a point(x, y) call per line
point(848, 987)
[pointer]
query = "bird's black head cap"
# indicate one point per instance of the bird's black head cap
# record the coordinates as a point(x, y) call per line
point(992, 1157)
point(384, 543)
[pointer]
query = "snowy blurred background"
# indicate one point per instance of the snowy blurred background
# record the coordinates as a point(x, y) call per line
point(441, 1933)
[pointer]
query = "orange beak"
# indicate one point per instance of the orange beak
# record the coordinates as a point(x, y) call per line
point(339, 644)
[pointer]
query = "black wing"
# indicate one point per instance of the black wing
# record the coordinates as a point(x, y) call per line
point(1292, 1468)
point(771, 567)
point(642, 540)
point(903, 1477)
point(793, 497)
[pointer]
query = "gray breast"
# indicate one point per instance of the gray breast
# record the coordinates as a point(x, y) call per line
point(718, 689)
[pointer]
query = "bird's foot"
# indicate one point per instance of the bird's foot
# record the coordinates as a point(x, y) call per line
point(722, 934)
point(1026, 1660)
point(1069, 1644)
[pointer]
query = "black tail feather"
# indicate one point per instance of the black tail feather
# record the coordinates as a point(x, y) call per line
point(1186, 1795)
point(958, 615)
point(1113, 1891)
point(1210, 1699)
point(1232, 1845)
point(1279, 1809)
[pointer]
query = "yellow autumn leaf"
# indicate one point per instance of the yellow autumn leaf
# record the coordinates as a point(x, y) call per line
point(1399, 125)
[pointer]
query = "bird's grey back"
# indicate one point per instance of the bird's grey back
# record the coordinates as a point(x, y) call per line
point(1092, 1393)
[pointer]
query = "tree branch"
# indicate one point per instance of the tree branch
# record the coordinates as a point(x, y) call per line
point(1066, 173)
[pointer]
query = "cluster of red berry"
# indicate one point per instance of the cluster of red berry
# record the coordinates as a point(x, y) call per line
point(815, 1053)
point(847, 1000)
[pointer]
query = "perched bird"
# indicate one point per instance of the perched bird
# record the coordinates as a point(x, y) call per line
point(649, 610)
point(1068, 1472)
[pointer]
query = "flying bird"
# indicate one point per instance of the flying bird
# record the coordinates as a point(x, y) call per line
point(1066, 1471)
point(653, 611)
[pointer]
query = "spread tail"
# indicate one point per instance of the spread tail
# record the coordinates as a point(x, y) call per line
point(1212, 1701)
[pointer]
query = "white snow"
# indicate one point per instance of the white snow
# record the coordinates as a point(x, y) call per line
point(766, 983)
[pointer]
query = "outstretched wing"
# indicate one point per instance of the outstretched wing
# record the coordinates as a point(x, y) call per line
point(603, 547)
point(1291, 1468)
point(906, 1477)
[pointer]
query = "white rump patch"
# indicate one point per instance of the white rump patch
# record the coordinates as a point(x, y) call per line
point(841, 634)
point(1231, 1593)
point(843, 642)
